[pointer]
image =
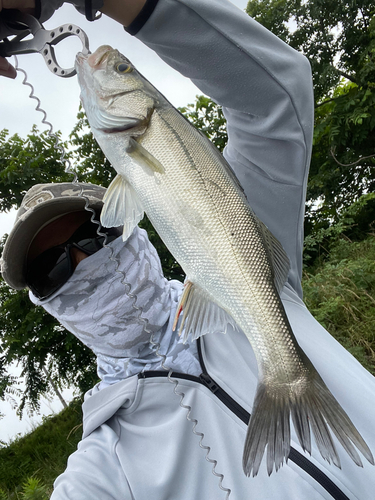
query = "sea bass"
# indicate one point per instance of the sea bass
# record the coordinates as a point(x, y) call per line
point(171, 171)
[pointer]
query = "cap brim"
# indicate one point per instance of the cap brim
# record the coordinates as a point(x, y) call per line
point(20, 238)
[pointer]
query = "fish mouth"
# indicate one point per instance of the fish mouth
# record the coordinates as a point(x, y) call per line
point(99, 56)
point(81, 58)
point(96, 58)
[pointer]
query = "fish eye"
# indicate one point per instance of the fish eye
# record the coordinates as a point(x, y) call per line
point(123, 68)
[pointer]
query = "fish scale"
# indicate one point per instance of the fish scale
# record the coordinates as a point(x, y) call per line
point(235, 267)
point(226, 201)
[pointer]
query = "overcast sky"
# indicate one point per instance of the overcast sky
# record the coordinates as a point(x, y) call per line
point(60, 99)
point(60, 96)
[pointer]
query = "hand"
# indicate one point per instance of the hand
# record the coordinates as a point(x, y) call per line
point(47, 8)
point(6, 69)
point(28, 6)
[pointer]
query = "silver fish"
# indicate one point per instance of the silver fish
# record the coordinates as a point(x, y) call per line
point(172, 172)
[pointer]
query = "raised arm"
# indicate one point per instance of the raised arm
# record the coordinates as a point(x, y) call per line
point(265, 88)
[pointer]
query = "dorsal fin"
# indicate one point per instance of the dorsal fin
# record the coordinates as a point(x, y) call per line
point(278, 256)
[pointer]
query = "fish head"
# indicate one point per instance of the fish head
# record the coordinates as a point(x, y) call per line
point(116, 98)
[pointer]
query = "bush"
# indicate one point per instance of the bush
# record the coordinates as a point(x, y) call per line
point(33, 489)
point(41, 455)
point(340, 293)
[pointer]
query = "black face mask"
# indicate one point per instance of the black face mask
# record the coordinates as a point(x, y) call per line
point(52, 268)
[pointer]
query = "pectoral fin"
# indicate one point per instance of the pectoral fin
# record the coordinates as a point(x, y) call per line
point(142, 157)
point(200, 315)
point(121, 207)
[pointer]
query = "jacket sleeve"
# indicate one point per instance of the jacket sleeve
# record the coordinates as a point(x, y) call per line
point(265, 89)
point(94, 470)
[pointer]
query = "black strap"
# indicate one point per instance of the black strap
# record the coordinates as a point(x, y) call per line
point(89, 12)
point(142, 17)
point(38, 9)
point(294, 456)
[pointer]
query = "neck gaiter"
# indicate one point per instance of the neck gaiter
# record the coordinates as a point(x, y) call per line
point(114, 307)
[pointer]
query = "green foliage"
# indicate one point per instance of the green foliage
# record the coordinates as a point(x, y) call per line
point(338, 37)
point(355, 223)
point(339, 284)
point(340, 293)
point(33, 160)
point(30, 464)
point(35, 340)
point(208, 117)
point(343, 159)
point(33, 489)
point(9, 387)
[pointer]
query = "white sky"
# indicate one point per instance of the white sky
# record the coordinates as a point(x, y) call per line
point(60, 99)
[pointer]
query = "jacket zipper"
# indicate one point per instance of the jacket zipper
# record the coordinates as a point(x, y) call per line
point(294, 455)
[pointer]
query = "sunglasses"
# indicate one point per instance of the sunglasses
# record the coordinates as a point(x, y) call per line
point(52, 268)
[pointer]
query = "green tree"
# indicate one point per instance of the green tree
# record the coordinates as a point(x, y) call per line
point(208, 117)
point(40, 345)
point(338, 38)
point(25, 162)
point(48, 354)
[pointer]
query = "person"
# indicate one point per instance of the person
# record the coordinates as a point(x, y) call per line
point(148, 433)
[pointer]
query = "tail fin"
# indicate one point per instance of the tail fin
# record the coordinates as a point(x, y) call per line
point(316, 407)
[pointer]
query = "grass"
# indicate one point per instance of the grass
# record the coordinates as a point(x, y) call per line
point(40, 455)
point(340, 293)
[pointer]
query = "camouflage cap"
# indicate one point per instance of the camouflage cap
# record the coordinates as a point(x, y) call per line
point(42, 204)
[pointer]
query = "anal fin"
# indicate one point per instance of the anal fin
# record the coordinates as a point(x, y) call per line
point(200, 315)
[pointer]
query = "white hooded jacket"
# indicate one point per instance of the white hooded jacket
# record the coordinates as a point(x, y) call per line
point(150, 436)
